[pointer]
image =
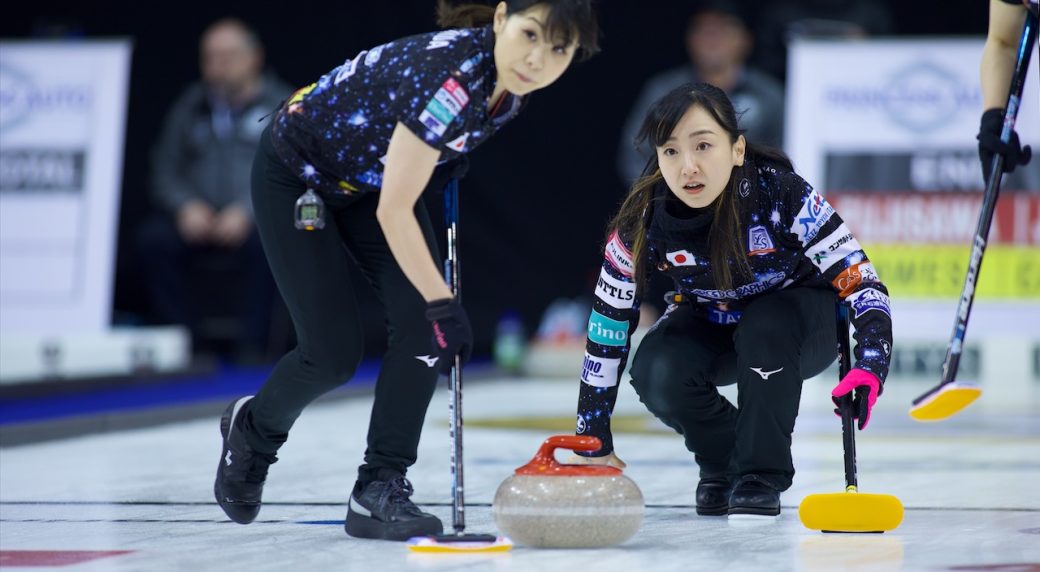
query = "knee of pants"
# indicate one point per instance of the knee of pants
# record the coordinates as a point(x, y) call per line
point(329, 367)
point(410, 333)
point(658, 381)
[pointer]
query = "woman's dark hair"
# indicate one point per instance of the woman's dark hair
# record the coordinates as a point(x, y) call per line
point(567, 21)
point(726, 243)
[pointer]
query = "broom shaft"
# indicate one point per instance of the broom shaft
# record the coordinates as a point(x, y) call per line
point(848, 435)
point(452, 275)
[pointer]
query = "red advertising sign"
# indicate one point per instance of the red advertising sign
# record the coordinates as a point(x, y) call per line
point(937, 218)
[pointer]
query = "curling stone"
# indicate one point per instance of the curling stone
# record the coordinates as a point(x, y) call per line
point(548, 504)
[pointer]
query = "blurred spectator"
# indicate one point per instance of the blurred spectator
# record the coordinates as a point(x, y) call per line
point(718, 44)
point(779, 21)
point(201, 255)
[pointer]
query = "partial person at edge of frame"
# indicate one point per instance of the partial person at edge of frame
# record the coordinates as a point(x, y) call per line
point(1006, 19)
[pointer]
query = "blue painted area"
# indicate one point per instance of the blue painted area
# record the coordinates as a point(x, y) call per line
point(227, 382)
point(321, 522)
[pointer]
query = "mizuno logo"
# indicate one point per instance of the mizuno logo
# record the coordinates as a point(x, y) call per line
point(227, 458)
point(428, 360)
point(765, 374)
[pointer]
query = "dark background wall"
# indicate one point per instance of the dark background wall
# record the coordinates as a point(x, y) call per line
point(537, 197)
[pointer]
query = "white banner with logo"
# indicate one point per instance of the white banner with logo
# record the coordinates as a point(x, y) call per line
point(886, 130)
point(916, 102)
point(62, 124)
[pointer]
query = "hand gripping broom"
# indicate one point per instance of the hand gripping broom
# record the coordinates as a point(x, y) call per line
point(850, 511)
point(459, 541)
point(950, 396)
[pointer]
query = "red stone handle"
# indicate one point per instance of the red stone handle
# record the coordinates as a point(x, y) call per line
point(544, 462)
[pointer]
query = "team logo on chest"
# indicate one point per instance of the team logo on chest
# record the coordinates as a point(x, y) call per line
point(759, 241)
point(745, 188)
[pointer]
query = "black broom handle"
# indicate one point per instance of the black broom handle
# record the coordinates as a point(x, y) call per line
point(989, 203)
point(848, 435)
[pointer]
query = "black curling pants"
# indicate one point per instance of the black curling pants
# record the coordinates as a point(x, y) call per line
point(312, 270)
point(781, 339)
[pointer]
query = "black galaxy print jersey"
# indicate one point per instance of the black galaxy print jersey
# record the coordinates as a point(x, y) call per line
point(793, 238)
point(334, 133)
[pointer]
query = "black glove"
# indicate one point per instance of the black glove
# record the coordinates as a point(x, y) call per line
point(451, 332)
point(989, 144)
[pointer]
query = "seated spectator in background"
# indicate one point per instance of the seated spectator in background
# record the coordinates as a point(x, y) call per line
point(781, 20)
point(718, 44)
point(200, 181)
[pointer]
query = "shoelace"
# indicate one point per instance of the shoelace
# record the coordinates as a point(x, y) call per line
point(397, 491)
point(252, 464)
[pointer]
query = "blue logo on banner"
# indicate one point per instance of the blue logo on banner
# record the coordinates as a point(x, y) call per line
point(607, 332)
point(921, 96)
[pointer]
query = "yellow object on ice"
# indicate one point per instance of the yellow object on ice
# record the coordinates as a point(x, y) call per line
point(427, 545)
point(851, 511)
point(946, 402)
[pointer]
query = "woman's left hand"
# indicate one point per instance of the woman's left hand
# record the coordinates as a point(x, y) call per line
point(866, 387)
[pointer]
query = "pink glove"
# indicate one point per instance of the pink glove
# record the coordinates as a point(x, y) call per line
point(866, 386)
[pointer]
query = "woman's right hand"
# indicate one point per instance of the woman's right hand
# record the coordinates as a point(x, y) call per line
point(451, 332)
point(608, 459)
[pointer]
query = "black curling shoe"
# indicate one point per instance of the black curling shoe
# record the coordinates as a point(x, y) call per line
point(754, 496)
point(383, 510)
point(241, 471)
point(713, 496)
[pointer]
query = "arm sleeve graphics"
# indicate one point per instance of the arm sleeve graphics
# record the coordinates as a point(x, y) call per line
point(614, 317)
point(830, 247)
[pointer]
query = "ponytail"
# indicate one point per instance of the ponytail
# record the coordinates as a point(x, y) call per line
point(452, 15)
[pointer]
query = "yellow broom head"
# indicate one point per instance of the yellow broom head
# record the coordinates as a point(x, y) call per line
point(946, 402)
point(434, 545)
point(851, 512)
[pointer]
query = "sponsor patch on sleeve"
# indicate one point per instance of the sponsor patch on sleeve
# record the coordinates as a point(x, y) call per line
point(607, 332)
point(617, 293)
point(432, 122)
point(447, 103)
point(459, 143)
point(815, 213)
point(846, 282)
point(869, 299)
point(618, 255)
point(833, 248)
point(600, 372)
